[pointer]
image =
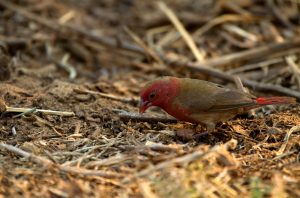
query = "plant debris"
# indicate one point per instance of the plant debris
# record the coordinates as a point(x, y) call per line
point(89, 59)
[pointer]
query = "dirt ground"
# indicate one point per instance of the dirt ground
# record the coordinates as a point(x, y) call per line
point(93, 57)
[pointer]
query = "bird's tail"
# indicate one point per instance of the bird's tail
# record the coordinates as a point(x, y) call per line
point(275, 100)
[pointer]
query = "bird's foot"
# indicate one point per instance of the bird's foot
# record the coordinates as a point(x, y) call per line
point(198, 136)
point(189, 134)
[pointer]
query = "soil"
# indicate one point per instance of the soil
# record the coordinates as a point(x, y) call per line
point(50, 60)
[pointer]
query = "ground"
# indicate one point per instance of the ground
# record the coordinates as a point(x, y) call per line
point(92, 58)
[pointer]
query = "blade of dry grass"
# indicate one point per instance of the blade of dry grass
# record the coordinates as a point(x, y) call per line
point(45, 162)
point(184, 33)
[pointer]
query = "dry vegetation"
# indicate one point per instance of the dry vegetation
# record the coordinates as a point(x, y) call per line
point(92, 57)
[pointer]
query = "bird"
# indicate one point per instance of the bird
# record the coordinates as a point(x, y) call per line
point(201, 102)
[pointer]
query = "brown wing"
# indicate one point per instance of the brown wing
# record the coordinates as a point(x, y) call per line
point(203, 96)
point(232, 99)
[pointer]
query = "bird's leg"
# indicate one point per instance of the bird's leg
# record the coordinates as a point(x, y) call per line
point(192, 134)
point(209, 128)
point(187, 134)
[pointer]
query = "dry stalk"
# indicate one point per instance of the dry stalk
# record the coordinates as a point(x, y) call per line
point(45, 162)
point(109, 96)
point(252, 54)
point(262, 64)
point(184, 33)
point(225, 76)
point(6, 109)
point(33, 110)
point(295, 68)
point(141, 43)
point(182, 160)
point(219, 20)
point(241, 32)
point(286, 139)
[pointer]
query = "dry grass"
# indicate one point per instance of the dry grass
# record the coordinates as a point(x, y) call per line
point(73, 56)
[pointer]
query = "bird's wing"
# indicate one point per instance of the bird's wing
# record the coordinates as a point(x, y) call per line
point(202, 96)
point(232, 99)
point(196, 95)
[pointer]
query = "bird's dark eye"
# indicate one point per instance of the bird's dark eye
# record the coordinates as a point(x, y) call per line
point(152, 95)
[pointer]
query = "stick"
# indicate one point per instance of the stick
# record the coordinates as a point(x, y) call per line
point(241, 32)
point(286, 139)
point(219, 20)
point(44, 161)
point(262, 64)
point(184, 33)
point(228, 77)
point(255, 53)
point(33, 110)
point(141, 43)
point(279, 14)
point(4, 108)
point(295, 68)
point(239, 84)
point(109, 96)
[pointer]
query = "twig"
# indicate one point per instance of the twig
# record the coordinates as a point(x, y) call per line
point(219, 20)
point(157, 30)
point(184, 33)
point(235, 7)
point(30, 111)
point(145, 188)
point(241, 32)
point(33, 110)
point(279, 14)
point(280, 156)
point(236, 42)
point(44, 161)
point(141, 43)
point(4, 108)
point(255, 65)
point(225, 76)
point(63, 63)
point(239, 84)
point(251, 54)
point(109, 161)
point(141, 118)
point(295, 68)
point(286, 139)
point(109, 96)
point(186, 159)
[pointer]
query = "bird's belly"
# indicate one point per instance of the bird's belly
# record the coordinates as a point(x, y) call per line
point(201, 117)
point(180, 114)
point(213, 117)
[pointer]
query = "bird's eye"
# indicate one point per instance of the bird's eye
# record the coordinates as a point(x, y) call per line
point(152, 95)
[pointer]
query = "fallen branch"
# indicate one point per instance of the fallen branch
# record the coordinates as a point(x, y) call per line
point(255, 53)
point(72, 170)
point(228, 77)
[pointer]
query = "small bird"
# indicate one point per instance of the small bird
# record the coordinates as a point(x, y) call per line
point(201, 102)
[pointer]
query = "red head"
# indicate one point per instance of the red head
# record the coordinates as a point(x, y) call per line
point(159, 92)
